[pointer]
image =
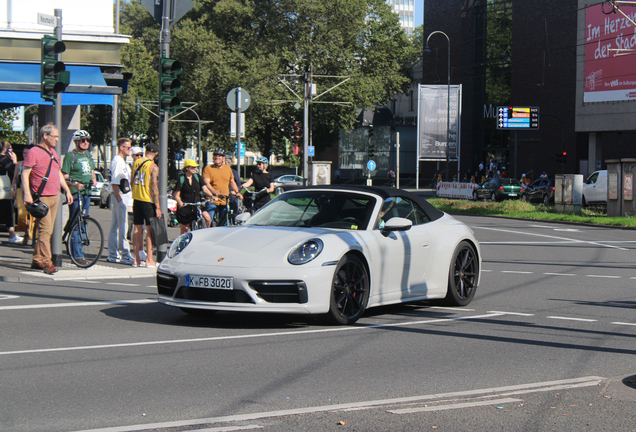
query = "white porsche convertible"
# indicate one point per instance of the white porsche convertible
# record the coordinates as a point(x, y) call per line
point(331, 250)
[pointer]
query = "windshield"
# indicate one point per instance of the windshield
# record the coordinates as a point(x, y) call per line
point(310, 208)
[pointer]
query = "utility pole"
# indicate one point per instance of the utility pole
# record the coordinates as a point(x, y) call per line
point(56, 235)
point(163, 126)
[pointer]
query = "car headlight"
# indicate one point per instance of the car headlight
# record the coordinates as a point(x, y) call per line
point(179, 244)
point(305, 252)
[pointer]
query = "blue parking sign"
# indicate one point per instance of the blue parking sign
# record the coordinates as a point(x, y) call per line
point(311, 151)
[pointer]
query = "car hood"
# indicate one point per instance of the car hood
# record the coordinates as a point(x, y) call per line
point(251, 246)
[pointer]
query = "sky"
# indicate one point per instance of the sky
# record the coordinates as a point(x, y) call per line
point(419, 12)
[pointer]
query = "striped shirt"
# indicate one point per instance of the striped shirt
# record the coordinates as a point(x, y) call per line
point(38, 160)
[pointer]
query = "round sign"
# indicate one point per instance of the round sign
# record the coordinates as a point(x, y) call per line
point(238, 97)
point(371, 165)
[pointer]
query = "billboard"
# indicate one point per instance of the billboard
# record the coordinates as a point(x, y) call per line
point(610, 75)
point(433, 110)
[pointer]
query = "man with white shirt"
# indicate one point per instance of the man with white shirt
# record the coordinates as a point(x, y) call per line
point(121, 199)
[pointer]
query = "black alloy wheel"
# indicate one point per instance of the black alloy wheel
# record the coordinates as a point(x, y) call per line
point(349, 292)
point(462, 279)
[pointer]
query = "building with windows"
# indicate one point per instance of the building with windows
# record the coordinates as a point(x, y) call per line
point(406, 11)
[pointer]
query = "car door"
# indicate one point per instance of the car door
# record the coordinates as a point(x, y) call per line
point(531, 191)
point(405, 254)
point(590, 191)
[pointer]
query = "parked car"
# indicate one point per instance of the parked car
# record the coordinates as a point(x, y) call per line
point(96, 189)
point(595, 188)
point(281, 183)
point(498, 189)
point(541, 190)
point(327, 250)
point(104, 195)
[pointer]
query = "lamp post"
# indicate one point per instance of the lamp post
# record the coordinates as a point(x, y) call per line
point(428, 50)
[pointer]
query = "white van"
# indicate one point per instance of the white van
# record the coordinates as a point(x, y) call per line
point(595, 188)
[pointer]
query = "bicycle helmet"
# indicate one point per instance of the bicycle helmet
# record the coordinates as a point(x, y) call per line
point(262, 159)
point(219, 151)
point(79, 134)
point(229, 155)
point(37, 209)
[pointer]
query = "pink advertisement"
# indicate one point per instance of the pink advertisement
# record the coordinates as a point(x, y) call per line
point(610, 55)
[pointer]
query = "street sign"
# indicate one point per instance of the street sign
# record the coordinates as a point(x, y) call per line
point(233, 124)
point(47, 20)
point(242, 154)
point(177, 10)
point(243, 99)
point(371, 165)
point(517, 118)
point(311, 151)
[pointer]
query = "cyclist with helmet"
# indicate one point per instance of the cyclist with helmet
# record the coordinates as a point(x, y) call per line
point(188, 190)
point(261, 179)
point(79, 172)
point(219, 180)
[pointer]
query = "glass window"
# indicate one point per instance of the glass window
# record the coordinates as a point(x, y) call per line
point(404, 208)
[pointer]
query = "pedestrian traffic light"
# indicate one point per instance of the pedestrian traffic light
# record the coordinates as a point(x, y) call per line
point(53, 75)
point(169, 85)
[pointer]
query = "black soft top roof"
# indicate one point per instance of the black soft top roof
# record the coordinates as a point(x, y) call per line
point(384, 193)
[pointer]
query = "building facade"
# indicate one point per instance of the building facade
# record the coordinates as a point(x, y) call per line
point(406, 11)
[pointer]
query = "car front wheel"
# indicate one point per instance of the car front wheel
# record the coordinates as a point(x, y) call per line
point(524, 198)
point(493, 197)
point(462, 279)
point(349, 291)
point(546, 200)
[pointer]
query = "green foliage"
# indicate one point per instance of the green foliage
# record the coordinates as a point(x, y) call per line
point(6, 128)
point(524, 210)
point(224, 44)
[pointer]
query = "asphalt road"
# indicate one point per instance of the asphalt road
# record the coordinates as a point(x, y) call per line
point(547, 344)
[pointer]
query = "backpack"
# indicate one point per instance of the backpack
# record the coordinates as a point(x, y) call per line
point(182, 179)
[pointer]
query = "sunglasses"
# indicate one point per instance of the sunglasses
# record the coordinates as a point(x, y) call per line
point(82, 140)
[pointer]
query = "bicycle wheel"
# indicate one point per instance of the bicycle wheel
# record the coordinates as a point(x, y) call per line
point(91, 242)
point(197, 224)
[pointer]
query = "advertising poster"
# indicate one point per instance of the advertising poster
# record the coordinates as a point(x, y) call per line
point(610, 75)
point(431, 123)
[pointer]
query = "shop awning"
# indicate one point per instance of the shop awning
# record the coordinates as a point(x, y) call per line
point(20, 85)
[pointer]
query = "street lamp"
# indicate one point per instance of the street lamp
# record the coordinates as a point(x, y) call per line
point(428, 50)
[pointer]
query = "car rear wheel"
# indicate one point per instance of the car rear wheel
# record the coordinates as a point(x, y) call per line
point(493, 197)
point(546, 200)
point(279, 190)
point(524, 197)
point(349, 291)
point(462, 279)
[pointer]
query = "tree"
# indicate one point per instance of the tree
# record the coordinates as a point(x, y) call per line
point(224, 44)
point(7, 116)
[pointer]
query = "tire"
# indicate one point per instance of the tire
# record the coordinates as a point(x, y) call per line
point(349, 291)
point(197, 224)
point(546, 200)
point(493, 197)
point(524, 197)
point(92, 239)
point(279, 190)
point(475, 197)
point(462, 277)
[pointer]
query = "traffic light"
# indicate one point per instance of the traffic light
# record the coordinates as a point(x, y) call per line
point(169, 85)
point(53, 75)
point(370, 131)
point(562, 158)
point(371, 150)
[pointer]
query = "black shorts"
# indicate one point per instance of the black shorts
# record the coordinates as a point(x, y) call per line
point(142, 212)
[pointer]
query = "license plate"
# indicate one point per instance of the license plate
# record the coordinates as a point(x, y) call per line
point(210, 282)
point(512, 194)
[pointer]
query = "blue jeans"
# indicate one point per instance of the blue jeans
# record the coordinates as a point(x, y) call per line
point(212, 208)
point(76, 248)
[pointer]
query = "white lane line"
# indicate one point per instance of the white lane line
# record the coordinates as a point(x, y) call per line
point(247, 336)
point(603, 276)
point(559, 274)
point(571, 319)
point(486, 271)
point(454, 406)
point(511, 313)
point(623, 323)
point(516, 272)
point(528, 388)
point(121, 284)
point(454, 309)
point(8, 297)
point(549, 236)
point(228, 428)
point(61, 305)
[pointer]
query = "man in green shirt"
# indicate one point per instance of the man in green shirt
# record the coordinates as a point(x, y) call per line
point(79, 171)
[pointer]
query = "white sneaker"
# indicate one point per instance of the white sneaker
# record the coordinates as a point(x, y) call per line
point(112, 260)
point(127, 261)
point(16, 239)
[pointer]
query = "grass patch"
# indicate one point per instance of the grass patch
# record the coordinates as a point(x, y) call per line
point(520, 209)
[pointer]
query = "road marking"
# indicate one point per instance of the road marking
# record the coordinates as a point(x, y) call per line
point(511, 313)
point(603, 276)
point(516, 272)
point(228, 428)
point(8, 297)
point(10, 259)
point(237, 337)
point(550, 237)
point(454, 309)
point(121, 284)
point(622, 323)
point(571, 319)
point(559, 274)
point(61, 305)
point(495, 391)
point(454, 406)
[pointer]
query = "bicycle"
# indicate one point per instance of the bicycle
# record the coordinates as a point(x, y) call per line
point(249, 200)
point(199, 221)
point(83, 232)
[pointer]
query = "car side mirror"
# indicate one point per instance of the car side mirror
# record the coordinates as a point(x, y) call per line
point(396, 224)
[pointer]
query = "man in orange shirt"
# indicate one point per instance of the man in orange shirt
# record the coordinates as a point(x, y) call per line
point(219, 180)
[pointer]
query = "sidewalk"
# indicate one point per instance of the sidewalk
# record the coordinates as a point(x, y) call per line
point(15, 266)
